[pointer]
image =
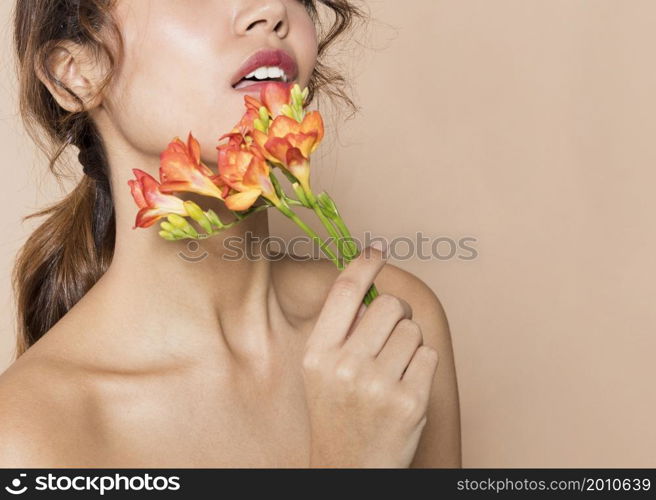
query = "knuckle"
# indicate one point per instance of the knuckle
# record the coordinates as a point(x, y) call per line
point(411, 330)
point(390, 303)
point(311, 361)
point(429, 352)
point(345, 287)
point(375, 389)
point(409, 406)
point(346, 371)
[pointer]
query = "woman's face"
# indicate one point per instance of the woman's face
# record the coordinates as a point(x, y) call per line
point(180, 57)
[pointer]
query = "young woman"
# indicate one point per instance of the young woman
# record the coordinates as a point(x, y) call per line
point(131, 356)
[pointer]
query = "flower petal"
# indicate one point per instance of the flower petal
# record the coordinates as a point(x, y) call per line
point(278, 148)
point(282, 126)
point(298, 165)
point(242, 201)
point(182, 170)
point(304, 142)
point(193, 147)
point(313, 123)
point(274, 95)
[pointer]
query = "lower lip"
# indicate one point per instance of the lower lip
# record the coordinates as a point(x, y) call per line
point(253, 87)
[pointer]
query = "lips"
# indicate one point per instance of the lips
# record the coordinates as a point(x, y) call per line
point(267, 57)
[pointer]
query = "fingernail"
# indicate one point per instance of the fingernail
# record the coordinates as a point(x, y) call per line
point(380, 245)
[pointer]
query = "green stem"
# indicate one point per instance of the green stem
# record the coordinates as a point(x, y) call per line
point(251, 211)
point(327, 223)
point(293, 202)
point(344, 234)
point(288, 212)
point(372, 293)
point(238, 218)
point(347, 235)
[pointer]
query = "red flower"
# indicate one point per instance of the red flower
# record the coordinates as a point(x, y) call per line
point(246, 172)
point(273, 96)
point(290, 143)
point(181, 169)
point(153, 204)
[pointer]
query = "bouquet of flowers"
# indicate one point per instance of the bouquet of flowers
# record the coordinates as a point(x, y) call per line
point(275, 134)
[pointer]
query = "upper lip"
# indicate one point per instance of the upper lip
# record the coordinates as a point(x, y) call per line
point(267, 57)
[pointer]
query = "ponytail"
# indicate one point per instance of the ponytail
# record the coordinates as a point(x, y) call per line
point(73, 247)
point(61, 260)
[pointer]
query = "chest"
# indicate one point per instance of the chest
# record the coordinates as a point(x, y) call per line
point(210, 423)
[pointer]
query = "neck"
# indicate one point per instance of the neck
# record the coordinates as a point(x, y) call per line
point(215, 288)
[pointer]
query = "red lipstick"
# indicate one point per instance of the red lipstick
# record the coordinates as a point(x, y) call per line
point(267, 57)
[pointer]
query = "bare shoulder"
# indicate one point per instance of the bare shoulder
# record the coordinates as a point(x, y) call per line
point(440, 445)
point(307, 283)
point(426, 306)
point(42, 412)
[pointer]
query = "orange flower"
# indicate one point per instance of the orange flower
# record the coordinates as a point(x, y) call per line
point(246, 172)
point(289, 141)
point(181, 169)
point(273, 96)
point(245, 126)
point(153, 204)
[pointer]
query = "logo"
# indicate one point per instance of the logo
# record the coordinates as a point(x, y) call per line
point(15, 488)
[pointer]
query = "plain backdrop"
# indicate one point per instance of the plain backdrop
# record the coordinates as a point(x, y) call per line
point(529, 126)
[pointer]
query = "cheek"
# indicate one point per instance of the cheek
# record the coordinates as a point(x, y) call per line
point(305, 45)
point(172, 82)
point(156, 102)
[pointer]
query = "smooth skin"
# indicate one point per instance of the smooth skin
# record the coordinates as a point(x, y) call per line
point(182, 357)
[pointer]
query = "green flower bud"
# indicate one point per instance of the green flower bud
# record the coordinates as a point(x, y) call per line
point(296, 92)
point(177, 220)
point(264, 114)
point(196, 213)
point(287, 111)
point(167, 236)
point(214, 219)
point(183, 225)
point(257, 123)
point(179, 234)
point(191, 232)
point(327, 205)
point(167, 226)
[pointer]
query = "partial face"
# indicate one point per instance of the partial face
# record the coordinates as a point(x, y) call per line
point(180, 60)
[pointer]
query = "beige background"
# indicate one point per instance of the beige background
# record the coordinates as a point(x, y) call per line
point(527, 124)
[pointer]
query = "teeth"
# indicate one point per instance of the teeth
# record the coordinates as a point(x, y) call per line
point(264, 72)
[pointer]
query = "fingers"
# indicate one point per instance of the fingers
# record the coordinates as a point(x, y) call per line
point(421, 371)
point(358, 317)
point(379, 320)
point(345, 297)
point(400, 348)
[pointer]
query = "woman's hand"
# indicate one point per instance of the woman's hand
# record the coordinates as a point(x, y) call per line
point(367, 375)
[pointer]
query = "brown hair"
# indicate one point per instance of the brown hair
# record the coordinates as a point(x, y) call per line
point(73, 247)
